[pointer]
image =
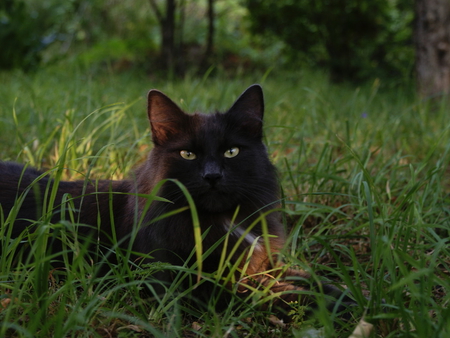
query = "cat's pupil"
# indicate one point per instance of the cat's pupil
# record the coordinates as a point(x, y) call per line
point(187, 155)
point(232, 152)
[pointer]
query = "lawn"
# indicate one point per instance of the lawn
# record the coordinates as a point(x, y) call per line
point(365, 178)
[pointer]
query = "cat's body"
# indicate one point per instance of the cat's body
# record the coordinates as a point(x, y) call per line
point(219, 158)
point(18, 181)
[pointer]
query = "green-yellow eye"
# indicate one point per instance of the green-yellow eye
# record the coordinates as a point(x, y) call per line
point(188, 155)
point(232, 152)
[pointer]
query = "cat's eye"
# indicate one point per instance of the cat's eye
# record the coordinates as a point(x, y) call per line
point(188, 155)
point(232, 152)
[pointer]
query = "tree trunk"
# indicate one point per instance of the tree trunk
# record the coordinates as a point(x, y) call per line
point(168, 36)
point(180, 59)
point(432, 39)
point(210, 38)
point(167, 24)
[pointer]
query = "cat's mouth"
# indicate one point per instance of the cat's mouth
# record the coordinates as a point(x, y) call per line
point(215, 200)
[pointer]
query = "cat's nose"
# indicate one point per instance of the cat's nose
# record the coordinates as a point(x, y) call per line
point(212, 172)
point(212, 178)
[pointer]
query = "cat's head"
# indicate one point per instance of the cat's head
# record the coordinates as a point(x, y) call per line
point(219, 157)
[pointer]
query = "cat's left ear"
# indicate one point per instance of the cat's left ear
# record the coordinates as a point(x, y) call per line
point(166, 119)
point(249, 109)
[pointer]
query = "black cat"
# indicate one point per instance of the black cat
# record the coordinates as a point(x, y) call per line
point(220, 159)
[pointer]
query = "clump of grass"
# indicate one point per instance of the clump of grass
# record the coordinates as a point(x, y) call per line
point(365, 202)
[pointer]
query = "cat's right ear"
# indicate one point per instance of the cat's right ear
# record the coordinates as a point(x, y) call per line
point(249, 110)
point(166, 118)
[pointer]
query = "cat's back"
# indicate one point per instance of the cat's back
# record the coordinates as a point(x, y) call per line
point(16, 182)
point(12, 169)
point(14, 178)
point(24, 191)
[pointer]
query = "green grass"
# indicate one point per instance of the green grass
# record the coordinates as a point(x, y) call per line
point(365, 175)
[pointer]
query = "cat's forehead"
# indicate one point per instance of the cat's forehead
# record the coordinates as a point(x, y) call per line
point(210, 129)
point(214, 123)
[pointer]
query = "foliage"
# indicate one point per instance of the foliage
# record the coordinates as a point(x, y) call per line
point(366, 192)
point(353, 39)
point(48, 30)
point(21, 36)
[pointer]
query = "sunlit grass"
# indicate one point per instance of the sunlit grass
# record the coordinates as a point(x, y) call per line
point(366, 201)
